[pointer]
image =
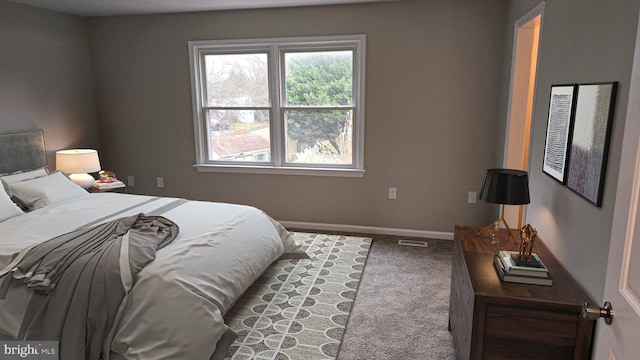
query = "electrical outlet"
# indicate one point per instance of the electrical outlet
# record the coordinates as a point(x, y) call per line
point(160, 182)
point(130, 181)
point(393, 193)
point(472, 196)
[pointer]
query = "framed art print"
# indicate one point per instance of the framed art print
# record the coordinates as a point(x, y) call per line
point(590, 140)
point(561, 107)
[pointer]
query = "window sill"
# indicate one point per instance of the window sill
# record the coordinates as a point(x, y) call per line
point(337, 172)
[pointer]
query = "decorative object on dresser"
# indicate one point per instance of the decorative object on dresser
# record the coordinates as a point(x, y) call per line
point(107, 180)
point(491, 319)
point(527, 240)
point(103, 185)
point(522, 266)
point(77, 163)
point(514, 265)
point(533, 278)
point(504, 187)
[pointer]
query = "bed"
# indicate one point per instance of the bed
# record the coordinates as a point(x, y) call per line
point(173, 306)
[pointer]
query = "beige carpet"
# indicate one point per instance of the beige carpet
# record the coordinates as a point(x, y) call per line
point(401, 310)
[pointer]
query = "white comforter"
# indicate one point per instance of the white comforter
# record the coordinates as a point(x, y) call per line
point(175, 309)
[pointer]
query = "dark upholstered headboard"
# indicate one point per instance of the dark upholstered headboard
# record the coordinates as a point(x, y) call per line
point(22, 150)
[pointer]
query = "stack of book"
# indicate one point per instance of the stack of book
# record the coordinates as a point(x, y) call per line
point(511, 269)
point(108, 184)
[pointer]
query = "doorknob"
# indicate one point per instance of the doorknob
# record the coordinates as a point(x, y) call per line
point(593, 312)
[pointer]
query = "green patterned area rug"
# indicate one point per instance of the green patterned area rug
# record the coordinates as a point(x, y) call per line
point(299, 308)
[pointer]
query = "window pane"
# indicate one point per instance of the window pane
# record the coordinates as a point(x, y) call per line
point(239, 135)
point(322, 78)
point(319, 136)
point(237, 80)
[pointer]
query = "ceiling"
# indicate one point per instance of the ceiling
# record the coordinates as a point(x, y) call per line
point(90, 8)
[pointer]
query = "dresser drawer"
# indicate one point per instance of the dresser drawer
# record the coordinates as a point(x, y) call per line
point(530, 330)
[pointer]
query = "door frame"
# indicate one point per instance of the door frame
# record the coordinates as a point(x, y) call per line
point(538, 10)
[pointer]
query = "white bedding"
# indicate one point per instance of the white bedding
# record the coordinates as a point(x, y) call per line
point(175, 309)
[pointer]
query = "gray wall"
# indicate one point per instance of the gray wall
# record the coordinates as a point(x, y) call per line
point(582, 42)
point(45, 77)
point(433, 69)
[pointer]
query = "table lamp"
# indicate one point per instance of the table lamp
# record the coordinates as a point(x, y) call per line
point(504, 187)
point(77, 163)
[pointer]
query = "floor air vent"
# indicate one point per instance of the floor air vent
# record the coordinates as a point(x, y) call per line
point(413, 243)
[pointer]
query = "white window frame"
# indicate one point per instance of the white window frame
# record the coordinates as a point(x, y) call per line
point(276, 48)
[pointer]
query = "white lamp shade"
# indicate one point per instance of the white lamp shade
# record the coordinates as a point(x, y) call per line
point(77, 163)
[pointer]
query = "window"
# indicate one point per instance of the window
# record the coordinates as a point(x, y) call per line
point(292, 105)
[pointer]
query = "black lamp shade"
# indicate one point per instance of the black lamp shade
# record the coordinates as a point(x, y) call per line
point(505, 186)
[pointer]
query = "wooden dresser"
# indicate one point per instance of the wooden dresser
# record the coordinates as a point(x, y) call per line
point(490, 319)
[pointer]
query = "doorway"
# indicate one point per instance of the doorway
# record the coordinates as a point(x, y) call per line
point(526, 44)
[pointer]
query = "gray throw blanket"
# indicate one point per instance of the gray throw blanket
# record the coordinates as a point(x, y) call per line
point(81, 280)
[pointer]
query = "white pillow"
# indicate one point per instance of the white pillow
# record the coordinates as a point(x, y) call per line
point(20, 176)
point(8, 208)
point(46, 190)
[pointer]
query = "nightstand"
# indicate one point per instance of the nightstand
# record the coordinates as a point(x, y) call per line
point(120, 189)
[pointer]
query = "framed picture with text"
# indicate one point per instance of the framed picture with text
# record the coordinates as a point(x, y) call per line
point(590, 140)
point(556, 147)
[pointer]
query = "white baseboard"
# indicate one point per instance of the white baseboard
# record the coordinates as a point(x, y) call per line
point(368, 230)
